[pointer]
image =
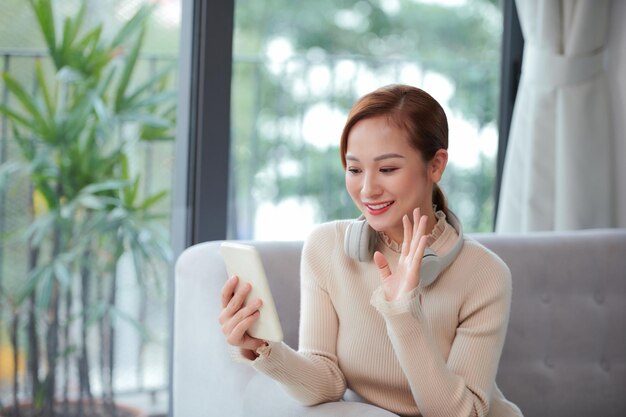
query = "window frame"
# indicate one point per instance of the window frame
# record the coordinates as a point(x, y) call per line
point(202, 148)
point(203, 137)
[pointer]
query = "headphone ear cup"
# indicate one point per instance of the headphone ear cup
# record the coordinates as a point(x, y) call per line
point(430, 269)
point(359, 241)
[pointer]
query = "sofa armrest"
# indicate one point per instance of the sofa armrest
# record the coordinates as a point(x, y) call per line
point(205, 380)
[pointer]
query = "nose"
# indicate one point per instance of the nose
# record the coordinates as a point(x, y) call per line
point(370, 187)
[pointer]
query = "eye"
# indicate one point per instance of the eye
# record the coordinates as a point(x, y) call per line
point(388, 170)
point(353, 170)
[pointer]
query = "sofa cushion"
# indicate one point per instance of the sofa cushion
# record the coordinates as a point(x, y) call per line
point(565, 351)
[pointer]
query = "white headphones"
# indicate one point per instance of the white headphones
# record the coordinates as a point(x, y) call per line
point(360, 243)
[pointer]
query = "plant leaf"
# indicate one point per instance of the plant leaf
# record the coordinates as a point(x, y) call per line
point(15, 118)
point(39, 229)
point(153, 199)
point(26, 100)
point(47, 281)
point(62, 273)
point(45, 17)
point(92, 202)
point(104, 186)
point(71, 28)
point(30, 284)
point(153, 100)
point(7, 170)
point(43, 87)
point(129, 67)
point(90, 41)
point(134, 24)
point(151, 83)
point(149, 120)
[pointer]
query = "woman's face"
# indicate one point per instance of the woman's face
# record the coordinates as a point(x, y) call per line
point(385, 176)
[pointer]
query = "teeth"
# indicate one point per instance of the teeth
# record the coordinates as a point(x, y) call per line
point(379, 206)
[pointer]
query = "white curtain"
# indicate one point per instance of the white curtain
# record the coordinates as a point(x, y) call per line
point(558, 169)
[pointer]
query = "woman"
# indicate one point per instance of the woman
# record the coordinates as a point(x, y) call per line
point(409, 346)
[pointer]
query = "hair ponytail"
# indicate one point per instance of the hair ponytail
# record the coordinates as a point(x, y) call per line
point(439, 199)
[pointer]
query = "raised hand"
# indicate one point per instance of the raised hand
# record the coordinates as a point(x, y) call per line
point(405, 276)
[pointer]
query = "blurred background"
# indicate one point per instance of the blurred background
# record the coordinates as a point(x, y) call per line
point(298, 68)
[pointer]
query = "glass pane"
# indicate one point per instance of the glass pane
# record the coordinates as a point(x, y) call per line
point(86, 162)
point(298, 68)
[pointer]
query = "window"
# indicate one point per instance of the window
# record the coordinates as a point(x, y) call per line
point(298, 68)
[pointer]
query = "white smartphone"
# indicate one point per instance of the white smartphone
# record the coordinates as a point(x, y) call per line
point(245, 262)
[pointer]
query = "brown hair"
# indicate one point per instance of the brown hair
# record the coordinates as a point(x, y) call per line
point(411, 109)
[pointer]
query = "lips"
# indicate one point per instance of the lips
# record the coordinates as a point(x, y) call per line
point(378, 207)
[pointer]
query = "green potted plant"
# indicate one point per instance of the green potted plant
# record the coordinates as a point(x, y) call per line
point(87, 209)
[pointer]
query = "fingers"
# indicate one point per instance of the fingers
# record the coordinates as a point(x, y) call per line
point(415, 233)
point(228, 289)
point(240, 315)
point(420, 233)
point(421, 247)
point(406, 240)
point(417, 217)
point(239, 335)
point(414, 276)
point(382, 264)
point(236, 318)
point(232, 302)
point(235, 327)
point(235, 303)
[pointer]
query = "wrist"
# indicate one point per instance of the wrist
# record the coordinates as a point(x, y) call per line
point(253, 354)
point(249, 354)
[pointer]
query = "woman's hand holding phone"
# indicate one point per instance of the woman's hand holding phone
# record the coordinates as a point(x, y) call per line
point(236, 318)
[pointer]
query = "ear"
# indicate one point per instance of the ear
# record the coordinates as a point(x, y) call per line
point(437, 165)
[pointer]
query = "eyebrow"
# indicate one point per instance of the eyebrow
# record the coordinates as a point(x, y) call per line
point(378, 158)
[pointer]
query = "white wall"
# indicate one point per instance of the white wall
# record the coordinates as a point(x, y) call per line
point(616, 68)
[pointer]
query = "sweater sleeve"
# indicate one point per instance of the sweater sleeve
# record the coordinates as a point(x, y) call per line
point(312, 374)
point(460, 386)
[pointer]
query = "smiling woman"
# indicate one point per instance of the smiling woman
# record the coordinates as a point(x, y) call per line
point(432, 305)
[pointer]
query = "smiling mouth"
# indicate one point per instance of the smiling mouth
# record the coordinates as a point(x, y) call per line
point(378, 208)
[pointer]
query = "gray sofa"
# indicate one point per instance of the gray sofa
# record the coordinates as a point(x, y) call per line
point(565, 353)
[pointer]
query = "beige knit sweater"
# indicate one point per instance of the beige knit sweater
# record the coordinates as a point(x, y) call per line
point(433, 353)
